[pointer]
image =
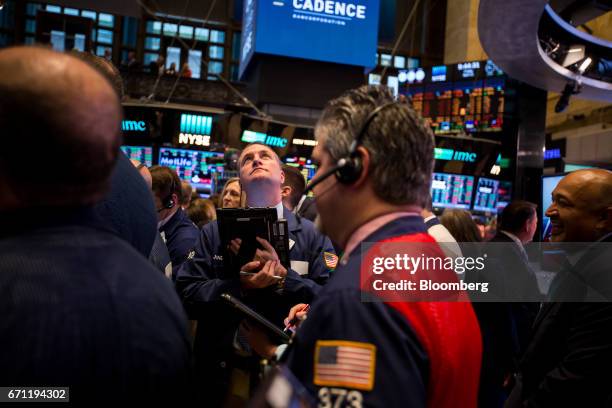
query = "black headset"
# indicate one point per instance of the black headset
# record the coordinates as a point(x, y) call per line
point(348, 169)
point(168, 202)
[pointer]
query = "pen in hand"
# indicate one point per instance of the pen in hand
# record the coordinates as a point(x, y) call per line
point(291, 325)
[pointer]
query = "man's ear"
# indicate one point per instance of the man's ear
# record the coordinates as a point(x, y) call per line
point(605, 220)
point(286, 191)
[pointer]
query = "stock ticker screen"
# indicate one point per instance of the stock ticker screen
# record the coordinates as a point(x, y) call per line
point(468, 97)
point(193, 165)
point(305, 165)
point(143, 154)
point(452, 191)
point(486, 195)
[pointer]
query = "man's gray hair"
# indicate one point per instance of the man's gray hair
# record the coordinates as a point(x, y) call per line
point(400, 144)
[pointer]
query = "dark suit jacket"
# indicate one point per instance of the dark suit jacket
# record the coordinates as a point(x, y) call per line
point(505, 326)
point(81, 308)
point(568, 362)
point(308, 209)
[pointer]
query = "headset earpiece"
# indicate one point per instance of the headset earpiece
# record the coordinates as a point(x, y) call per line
point(349, 169)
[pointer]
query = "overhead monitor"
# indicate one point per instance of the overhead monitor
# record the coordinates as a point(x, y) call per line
point(486, 195)
point(452, 191)
point(468, 70)
point(143, 154)
point(339, 31)
point(195, 166)
point(493, 104)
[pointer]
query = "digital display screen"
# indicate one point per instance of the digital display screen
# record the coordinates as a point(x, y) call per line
point(467, 105)
point(452, 190)
point(412, 76)
point(305, 165)
point(437, 103)
point(439, 74)
point(143, 154)
point(492, 70)
point(194, 166)
point(493, 104)
point(548, 185)
point(504, 195)
point(467, 70)
point(486, 195)
point(344, 32)
point(467, 97)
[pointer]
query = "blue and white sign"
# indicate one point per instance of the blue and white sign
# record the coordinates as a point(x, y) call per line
point(340, 31)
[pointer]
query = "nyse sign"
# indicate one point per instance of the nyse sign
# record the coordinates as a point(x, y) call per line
point(196, 140)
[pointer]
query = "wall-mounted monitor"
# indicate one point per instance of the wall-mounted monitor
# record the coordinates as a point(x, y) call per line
point(305, 165)
point(197, 167)
point(504, 195)
point(143, 154)
point(452, 191)
point(486, 195)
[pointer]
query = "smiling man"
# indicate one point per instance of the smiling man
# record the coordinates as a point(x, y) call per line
point(222, 363)
point(567, 363)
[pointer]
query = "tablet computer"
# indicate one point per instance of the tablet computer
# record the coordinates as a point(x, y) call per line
point(246, 224)
point(252, 315)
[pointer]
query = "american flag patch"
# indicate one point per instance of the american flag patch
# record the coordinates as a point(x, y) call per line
point(331, 260)
point(347, 364)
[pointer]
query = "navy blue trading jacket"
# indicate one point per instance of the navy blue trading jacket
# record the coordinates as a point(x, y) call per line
point(180, 235)
point(82, 308)
point(353, 353)
point(203, 279)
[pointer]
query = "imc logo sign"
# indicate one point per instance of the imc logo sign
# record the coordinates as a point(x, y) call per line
point(248, 136)
point(455, 155)
point(195, 130)
point(133, 126)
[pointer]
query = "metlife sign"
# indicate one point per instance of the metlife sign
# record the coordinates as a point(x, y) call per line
point(343, 32)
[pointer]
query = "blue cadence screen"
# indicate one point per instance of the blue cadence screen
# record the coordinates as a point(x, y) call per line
point(341, 31)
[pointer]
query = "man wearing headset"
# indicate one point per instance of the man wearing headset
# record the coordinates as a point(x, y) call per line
point(221, 364)
point(375, 159)
point(177, 230)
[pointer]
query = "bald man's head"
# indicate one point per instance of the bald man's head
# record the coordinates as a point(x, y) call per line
point(581, 209)
point(60, 121)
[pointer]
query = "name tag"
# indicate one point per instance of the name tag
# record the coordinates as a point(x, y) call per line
point(301, 267)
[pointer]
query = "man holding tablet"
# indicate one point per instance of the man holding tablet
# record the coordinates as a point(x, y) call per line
point(224, 363)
